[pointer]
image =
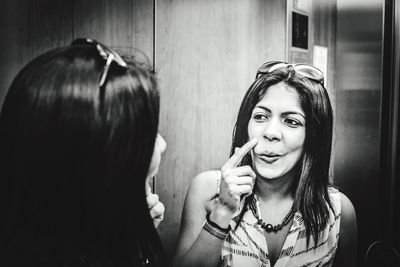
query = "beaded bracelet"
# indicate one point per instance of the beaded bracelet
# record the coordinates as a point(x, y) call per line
point(215, 229)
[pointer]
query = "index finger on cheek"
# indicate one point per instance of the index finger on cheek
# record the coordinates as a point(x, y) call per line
point(241, 152)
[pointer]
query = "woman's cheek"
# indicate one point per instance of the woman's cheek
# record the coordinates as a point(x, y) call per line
point(253, 131)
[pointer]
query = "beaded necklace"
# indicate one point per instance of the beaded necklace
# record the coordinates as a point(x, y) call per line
point(267, 226)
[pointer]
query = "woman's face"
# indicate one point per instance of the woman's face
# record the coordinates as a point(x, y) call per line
point(159, 148)
point(278, 122)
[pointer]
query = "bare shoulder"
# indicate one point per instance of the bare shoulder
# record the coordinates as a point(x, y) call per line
point(347, 209)
point(346, 254)
point(204, 185)
point(348, 220)
point(201, 190)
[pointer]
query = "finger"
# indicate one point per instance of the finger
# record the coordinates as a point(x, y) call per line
point(148, 190)
point(245, 189)
point(148, 187)
point(240, 153)
point(235, 192)
point(157, 222)
point(152, 200)
point(242, 180)
point(244, 196)
point(241, 171)
point(157, 211)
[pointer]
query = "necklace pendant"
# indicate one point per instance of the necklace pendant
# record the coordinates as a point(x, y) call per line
point(269, 228)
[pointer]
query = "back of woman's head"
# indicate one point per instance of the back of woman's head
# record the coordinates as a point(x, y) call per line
point(74, 157)
point(313, 168)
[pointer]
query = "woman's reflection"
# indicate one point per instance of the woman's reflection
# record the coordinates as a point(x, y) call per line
point(271, 203)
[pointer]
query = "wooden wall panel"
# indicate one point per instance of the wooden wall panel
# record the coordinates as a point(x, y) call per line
point(31, 27)
point(47, 25)
point(8, 47)
point(207, 53)
point(123, 24)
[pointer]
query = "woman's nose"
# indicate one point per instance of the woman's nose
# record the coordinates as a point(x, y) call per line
point(272, 131)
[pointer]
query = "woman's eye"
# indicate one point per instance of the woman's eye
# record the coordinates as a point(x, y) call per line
point(260, 117)
point(292, 122)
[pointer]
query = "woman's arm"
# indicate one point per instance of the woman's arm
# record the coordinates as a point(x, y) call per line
point(197, 246)
point(346, 254)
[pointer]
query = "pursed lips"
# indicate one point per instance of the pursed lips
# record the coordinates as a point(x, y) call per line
point(269, 157)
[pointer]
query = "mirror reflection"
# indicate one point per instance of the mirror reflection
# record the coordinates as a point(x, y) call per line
point(205, 55)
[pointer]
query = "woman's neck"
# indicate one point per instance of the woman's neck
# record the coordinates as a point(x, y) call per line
point(275, 189)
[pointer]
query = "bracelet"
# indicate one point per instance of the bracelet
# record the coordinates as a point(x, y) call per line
point(215, 230)
point(213, 224)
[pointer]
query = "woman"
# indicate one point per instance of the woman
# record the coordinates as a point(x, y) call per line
point(79, 143)
point(271, 204)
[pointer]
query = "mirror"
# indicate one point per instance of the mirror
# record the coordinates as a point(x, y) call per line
point(206, 53)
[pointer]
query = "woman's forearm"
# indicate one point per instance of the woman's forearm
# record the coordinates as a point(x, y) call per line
point(205, 252)
point(206, 249)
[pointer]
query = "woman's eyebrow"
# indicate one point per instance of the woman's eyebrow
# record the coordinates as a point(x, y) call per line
point(294, 113)
point(263, 107)
point(289, 112)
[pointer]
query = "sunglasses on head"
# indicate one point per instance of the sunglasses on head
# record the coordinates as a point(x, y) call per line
point(105, 52)
point(308, 71)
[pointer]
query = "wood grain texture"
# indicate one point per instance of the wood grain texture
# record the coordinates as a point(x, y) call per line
point(8, 47)
point(207, 54)
point(126, 25)
point(31, 27)
point(46, 26)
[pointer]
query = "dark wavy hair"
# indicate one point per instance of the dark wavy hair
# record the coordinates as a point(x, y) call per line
point(312, 181)
point(74, 163)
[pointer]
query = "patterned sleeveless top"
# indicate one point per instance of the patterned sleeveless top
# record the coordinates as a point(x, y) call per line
point(247, 247)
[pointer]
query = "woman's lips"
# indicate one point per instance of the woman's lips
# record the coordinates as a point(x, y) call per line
point(270, 157)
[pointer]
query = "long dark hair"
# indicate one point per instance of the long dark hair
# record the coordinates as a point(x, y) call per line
point(74, 163)
point(311, 185)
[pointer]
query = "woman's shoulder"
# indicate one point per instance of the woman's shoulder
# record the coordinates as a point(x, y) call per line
point(205, 185)
point(347, 247)
point(348, 212)
point(334, 197)
point(333, 191)
point(341, 203)
point(207, 181)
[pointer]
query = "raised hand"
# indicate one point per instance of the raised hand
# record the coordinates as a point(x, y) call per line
point(156, 207)
point(236, 181)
